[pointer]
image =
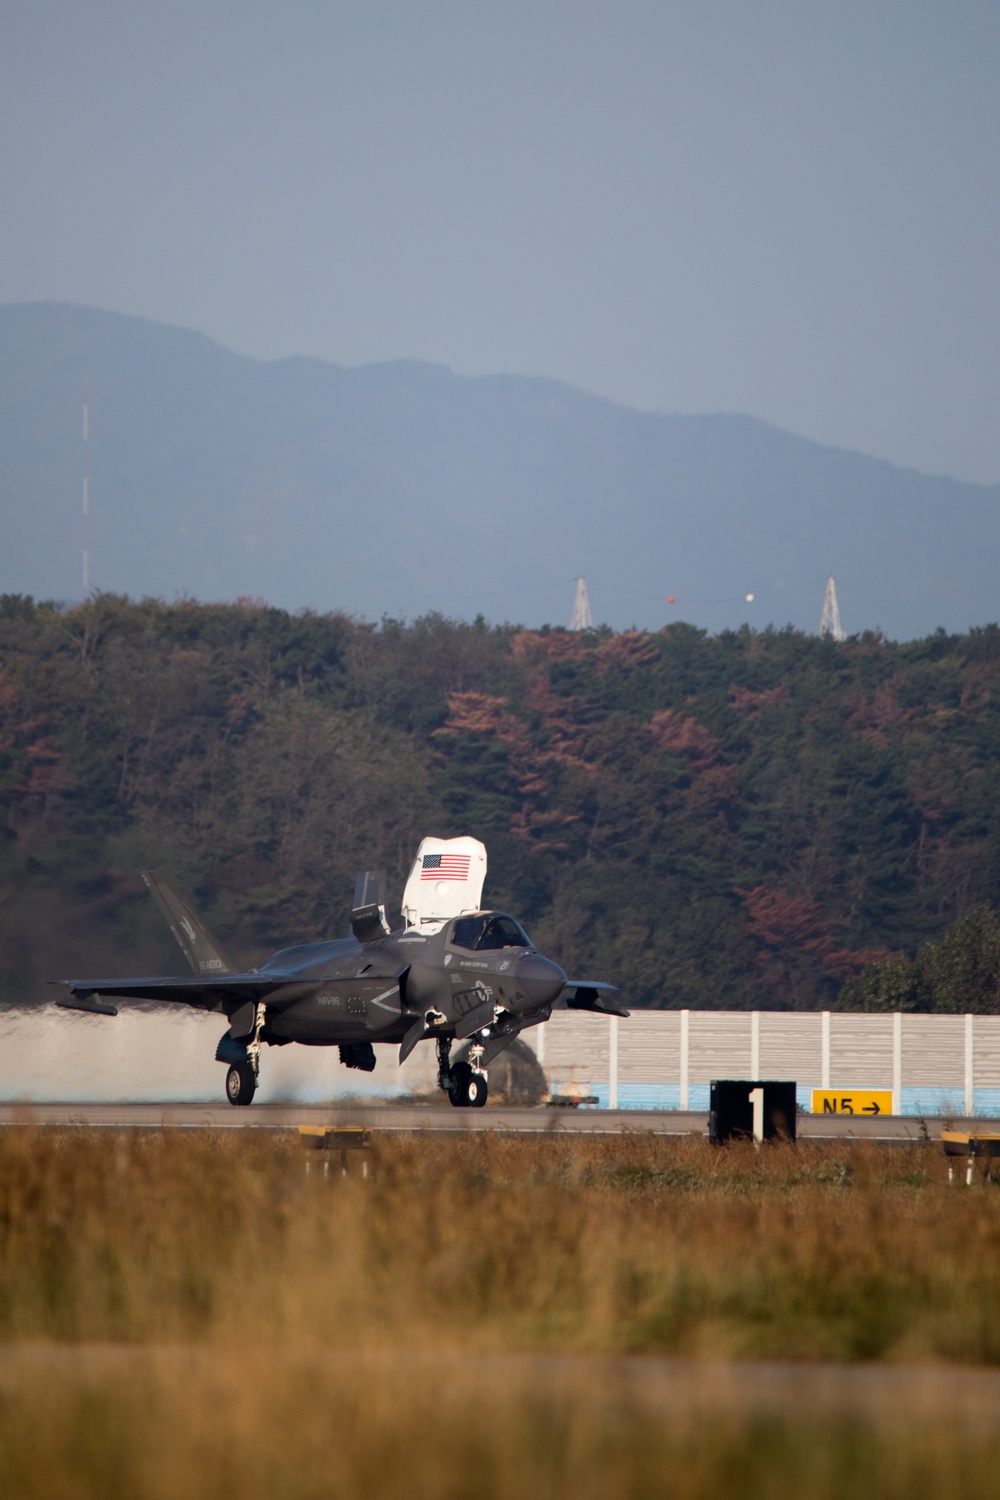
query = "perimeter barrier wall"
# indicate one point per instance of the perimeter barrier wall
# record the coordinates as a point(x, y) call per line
point(665, 1059)
point(661, 1059)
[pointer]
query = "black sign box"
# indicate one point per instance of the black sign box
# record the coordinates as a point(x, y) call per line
point(732, 1109)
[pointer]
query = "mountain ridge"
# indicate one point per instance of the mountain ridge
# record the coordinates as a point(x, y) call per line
point(397, 487)
point(499, 377)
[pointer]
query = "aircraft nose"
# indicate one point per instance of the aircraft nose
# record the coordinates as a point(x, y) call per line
point(539, 979)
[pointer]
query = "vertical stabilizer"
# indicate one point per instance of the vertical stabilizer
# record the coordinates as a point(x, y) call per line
point(368, 921)
point(203, 951)
point(446, 880)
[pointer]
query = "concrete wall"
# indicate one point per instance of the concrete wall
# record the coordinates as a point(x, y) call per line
point(666, 1059)
point(655, 1059)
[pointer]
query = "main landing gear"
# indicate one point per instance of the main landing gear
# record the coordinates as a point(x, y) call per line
point(465, 1082)
point(241, 1083)
point(241, 1080)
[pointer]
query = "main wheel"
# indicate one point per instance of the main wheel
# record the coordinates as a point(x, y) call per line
point(458, 1093)
point(240, 1083)
point(476, 1090)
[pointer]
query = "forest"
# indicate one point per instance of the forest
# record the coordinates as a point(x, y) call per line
point(743, 820)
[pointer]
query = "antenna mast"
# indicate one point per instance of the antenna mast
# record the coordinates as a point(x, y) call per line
point(581, 618)
point(830, 623)
point(86, 493)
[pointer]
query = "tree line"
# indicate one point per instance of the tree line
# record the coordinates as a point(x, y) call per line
point(751, 819)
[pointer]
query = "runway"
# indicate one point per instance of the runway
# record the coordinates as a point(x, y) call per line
point(438, 1118)
point(967, 1399)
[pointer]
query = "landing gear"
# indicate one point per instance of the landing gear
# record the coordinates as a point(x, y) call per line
point(477, 1088)
point(241, 1083)
point(443, 1045)
point(253, 1046)
point(241, 1080)
point(468, 1089)
point(465, 1083)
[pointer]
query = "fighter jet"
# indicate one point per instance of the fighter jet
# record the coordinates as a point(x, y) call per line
point(452, 972)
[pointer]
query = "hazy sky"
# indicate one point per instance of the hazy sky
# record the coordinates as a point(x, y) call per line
point(787, 209)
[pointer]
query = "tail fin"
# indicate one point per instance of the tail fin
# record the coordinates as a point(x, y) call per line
point(203, 951)
point(368, 915)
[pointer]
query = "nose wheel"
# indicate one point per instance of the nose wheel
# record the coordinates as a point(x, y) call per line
point(463, 1082)
point(468, 1089)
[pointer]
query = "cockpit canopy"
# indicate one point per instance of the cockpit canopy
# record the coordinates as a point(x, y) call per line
point(486, 931)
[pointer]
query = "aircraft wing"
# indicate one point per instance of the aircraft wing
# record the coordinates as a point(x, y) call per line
point(592, 995)
point(222, 993)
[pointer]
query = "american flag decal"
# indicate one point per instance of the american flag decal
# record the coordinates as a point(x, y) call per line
point(445, 867)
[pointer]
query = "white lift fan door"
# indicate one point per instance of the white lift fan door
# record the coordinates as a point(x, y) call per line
point(445, 881)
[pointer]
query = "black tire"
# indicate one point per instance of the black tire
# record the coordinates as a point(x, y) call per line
point(468, 1089)
point(458, 1093)
point(241, 1085)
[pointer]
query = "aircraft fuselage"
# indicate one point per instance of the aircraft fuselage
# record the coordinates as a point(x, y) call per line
point(348, 991)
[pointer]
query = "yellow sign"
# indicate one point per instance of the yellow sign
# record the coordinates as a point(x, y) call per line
point(868, 1102)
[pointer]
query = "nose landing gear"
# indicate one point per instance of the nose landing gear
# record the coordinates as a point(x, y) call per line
point(465, 1082)
point(469, 1089)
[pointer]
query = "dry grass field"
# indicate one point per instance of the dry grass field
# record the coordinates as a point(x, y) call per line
point(188, 1313)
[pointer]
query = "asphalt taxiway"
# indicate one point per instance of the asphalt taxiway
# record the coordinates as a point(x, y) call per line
point(437, 1118)
point(962, 1399)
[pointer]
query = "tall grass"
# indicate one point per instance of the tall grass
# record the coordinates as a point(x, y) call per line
point(255, 1426)
point(191, 1313)
point(498, 1242)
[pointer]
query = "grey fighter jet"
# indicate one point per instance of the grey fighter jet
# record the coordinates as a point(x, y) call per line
point(452, 972)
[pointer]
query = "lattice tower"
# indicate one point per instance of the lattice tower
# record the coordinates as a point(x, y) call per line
point(86, 495)
point(581, 618)
point(830, 622)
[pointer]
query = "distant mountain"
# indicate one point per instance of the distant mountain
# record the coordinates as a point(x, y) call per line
point(402, 488)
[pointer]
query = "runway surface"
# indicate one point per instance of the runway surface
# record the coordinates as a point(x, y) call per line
point(678, 1387)
point(434, 1117)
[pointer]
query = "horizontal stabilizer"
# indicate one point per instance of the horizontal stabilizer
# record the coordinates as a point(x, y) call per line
point(592, 995)
point(201, 949)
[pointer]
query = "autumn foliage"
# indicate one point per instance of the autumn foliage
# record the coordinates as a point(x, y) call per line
point(741, 820)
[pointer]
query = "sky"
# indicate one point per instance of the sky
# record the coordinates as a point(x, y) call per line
point(783, 208)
